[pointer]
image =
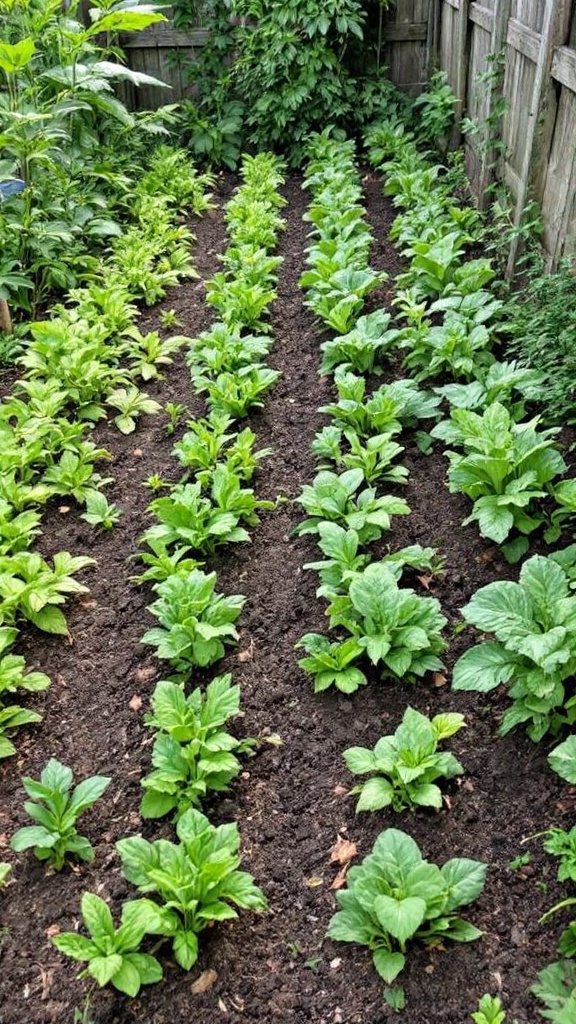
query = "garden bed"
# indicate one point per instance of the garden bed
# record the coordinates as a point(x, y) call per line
point(291, 800)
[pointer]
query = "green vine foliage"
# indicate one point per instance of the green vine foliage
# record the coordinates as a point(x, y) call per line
point(274, 71)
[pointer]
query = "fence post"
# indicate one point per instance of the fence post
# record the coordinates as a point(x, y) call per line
point(497, 46)
point(461, 69)
point(553, 30)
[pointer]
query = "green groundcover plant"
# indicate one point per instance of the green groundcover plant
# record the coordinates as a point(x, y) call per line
point(395, 896)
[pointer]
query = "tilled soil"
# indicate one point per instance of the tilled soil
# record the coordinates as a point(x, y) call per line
point(290, 802)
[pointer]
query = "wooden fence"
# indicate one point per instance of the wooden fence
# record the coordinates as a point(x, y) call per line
point(512, 66)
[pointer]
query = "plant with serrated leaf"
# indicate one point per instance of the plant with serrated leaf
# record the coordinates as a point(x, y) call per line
point(29, 587)
point(399, 630)
point(13, 678)
point(395, 896)
point(195, 622)
point(100, 511)
point(374, 457)
point(505, 468)
point(236, 393)
point(562, 844)
point(338, 300)
point(56, 807)
point(337, 498)
point(534, 653)
point(489, 1011)
point(404, 766)
point(112, 954)
point(332, 663)
point(193, 755)
point(196, 880)
point(131, 404)
point(363, 346)
point(556, 988)
point(562, 759)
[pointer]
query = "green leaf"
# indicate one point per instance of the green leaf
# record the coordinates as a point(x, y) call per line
point(484, 667)
point(400, 917)
point(185, 947)
point(465, 879)
point(562, 760)
point(104, 968)
point(97, 917)
point(87, 792)
point(50, 620)
point(360, 760)
point(426, 795)
point(127, 978)
point(75, 946)
point(32, 835)
point(375, 794)
point(388, 965)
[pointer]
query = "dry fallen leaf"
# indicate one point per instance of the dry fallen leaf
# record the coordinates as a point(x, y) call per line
point(222, 1006)
point(137, 453)
point(340, 790)
point(246, 655)
point(340, 879)
point(136, 703)
point(439, 679)
point(314, 882)
point(204, 982)
point(343, 851)
point(52, 930)
point(425, 581)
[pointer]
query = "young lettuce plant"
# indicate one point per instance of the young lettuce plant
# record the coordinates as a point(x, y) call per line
point(362, 348)
point(404, 766)
point(30, 588)
point(332, 664)
point(195, 879)
point(210, 442)
point(534, 653)
point(374, 458)
point(235, 393)
point(100, 512)
point(56, 810)
point(195, 622)
point(112, 954)
point(192, 754)
point(395, 896)
point(489, 1011)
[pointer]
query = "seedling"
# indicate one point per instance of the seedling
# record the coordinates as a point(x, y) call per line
point(112, 954)
point(175, 412)
point(56, 810)
point(101, 512)
point(489, 1011)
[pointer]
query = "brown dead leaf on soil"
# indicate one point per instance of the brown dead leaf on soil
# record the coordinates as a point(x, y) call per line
point(246, 655)
point(135, 703)
point(339, 790)
point(145, 673)
point(425, 581)
point(204, 982)
point(340, 879)
point(343, 851)
point(439, 679)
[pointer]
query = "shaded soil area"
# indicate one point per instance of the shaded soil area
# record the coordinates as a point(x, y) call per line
point(291, 801)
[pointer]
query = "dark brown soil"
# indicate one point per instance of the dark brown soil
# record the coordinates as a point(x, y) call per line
point(290, 802)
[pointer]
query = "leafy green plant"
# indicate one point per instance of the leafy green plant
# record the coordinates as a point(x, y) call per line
point(113, 955)
point(195, 879)
point(193, 755)
point(508, 383)
point(451, 347)
point(362, 348)
point(332, 664)
point(101, 512)
point(210, 441)
point(506, 467)
point(30, 588)
point(74, 472)
point(562, 759)
point(390, 408)
point(562, 844)
point(435, 108)
point(132, 403)
point(337, 498)
point(13, 678)
point(374, 457)
point(399, 630)
point(235, 393)
point(404, 766)
point(56, 810)
point(490, 1011)
point(195, 622)
point(534, 653)
point(556, 988)
point(395, 896)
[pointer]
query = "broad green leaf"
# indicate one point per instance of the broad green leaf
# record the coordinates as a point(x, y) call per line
point(447, 723)
point(104, 968)
point(400, 917)
point(32, 835)
point(97, 918)
point(360, 760)
point(375, 794)
point(562, 760)
point(185, 948)
point(127, 978)
point(426, 795)
point(75, 946)
point(483, 668)
point(502, 608)
point(87, 792)
point(465, 879)
point(49, 620)
point(149, 970)
point(15, 56)
point(388, 965)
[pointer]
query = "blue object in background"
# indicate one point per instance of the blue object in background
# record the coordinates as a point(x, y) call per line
point(11, 188)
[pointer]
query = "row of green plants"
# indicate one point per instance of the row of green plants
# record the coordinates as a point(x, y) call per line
point(83, 363)
point(509, 467)
point(195, 880)
point(395, 895)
